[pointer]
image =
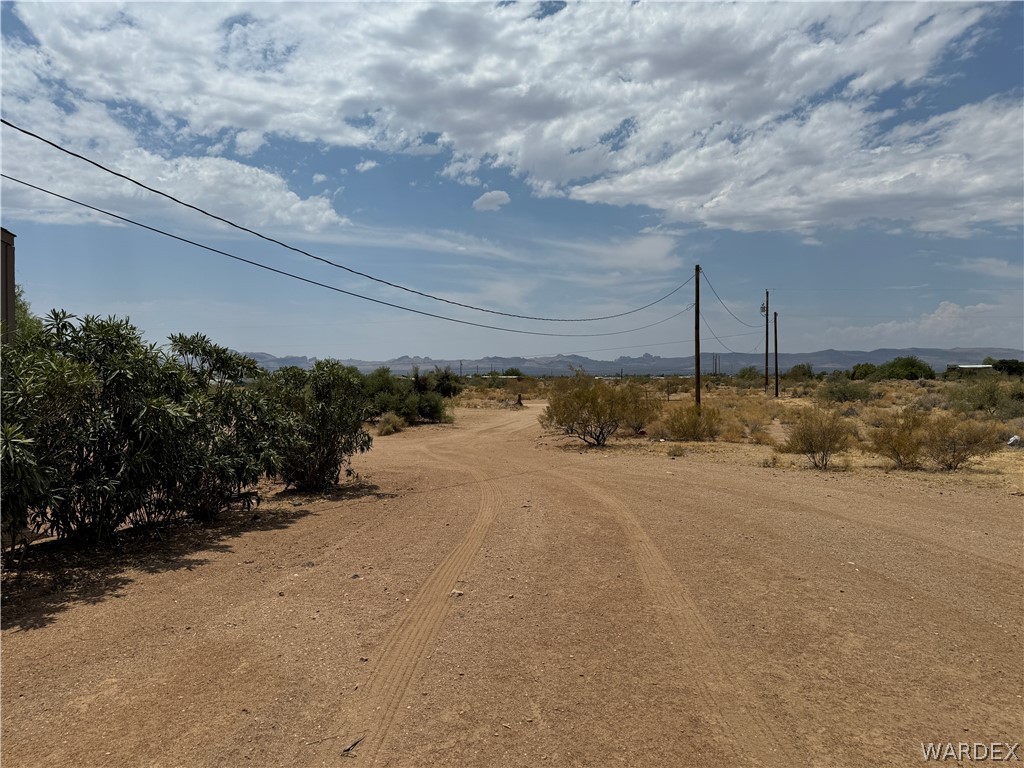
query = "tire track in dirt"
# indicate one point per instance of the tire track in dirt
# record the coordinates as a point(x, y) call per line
point(751, 736)
point(1006, 564)
point(404, 648)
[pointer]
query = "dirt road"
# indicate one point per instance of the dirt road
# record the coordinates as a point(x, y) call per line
point(491, 597)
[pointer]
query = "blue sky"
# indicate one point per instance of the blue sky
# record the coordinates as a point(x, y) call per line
point(864, 162)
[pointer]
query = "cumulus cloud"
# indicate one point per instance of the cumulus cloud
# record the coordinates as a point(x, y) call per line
point(746, 117)
point(367, 165)
point(319, 178)
point(491, 201)
point(948, 325)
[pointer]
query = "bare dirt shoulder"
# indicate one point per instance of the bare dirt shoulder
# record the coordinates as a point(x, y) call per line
point(490, 596)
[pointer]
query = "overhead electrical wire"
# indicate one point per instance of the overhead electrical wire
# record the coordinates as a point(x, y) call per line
point(723, 303)
point(334, 264)
point(331, 287)
point(716, 338)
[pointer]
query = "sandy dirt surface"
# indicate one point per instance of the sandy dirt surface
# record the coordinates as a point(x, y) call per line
point(492, 596)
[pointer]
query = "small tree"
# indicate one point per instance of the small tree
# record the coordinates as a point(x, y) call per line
point(583, 407)
point(910, 368)
point(818, 434)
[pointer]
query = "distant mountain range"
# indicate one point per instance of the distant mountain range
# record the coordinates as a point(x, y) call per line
point(557, 365)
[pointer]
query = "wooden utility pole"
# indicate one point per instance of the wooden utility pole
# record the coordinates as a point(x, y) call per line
point(696, 328)
point(767, 316)
point(776, 321)
point(7, 290)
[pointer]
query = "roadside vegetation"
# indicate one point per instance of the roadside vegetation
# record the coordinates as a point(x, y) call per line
point(901, 412)
point(102, 431)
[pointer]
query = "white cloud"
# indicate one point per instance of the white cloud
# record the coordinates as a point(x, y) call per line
point(367, 165)
point(948, 325)
point(990, 267)
point(247, 142)
point(319, 178)
point(491, 201)
point(248, 195)
point(747, 117)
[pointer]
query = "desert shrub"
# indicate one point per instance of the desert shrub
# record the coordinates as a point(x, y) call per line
point(818, 433)
point(389, 423)
point(431, 406)
point(929, 401)
point(324, 410)
point(639, 406)
point(981, 394)
point(749, 376)
point(676, 384)
point(422, 397)
point(384, 392)
point(675, 451)
point(952, 441)
point(863, 371)
point(583, 407)
point(693, 422)
point(900, 437)
point(910, 368)
point(799, 372)
point(840, 389)
point(991, 396)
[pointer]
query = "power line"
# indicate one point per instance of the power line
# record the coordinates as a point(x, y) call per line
point(716, 338)
point(334, 264)
point(723, 303)
point(325, 285)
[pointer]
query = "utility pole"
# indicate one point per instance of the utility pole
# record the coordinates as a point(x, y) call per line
point(7, 290)
point(696, 328)
point(766, 318)
point(776, 319)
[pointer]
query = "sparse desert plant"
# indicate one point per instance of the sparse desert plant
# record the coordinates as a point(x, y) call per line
point(819, 433)
point(900, 437)
point(639, 406)
point(952, 441)
point(693, 422)
point(675, 451)
point(389, 423)
point(799, 372)
point(840, 389)
point(749, 376)
point(583, 407)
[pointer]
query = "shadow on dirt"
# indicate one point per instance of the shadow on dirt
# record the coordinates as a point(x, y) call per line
point(52, 576)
